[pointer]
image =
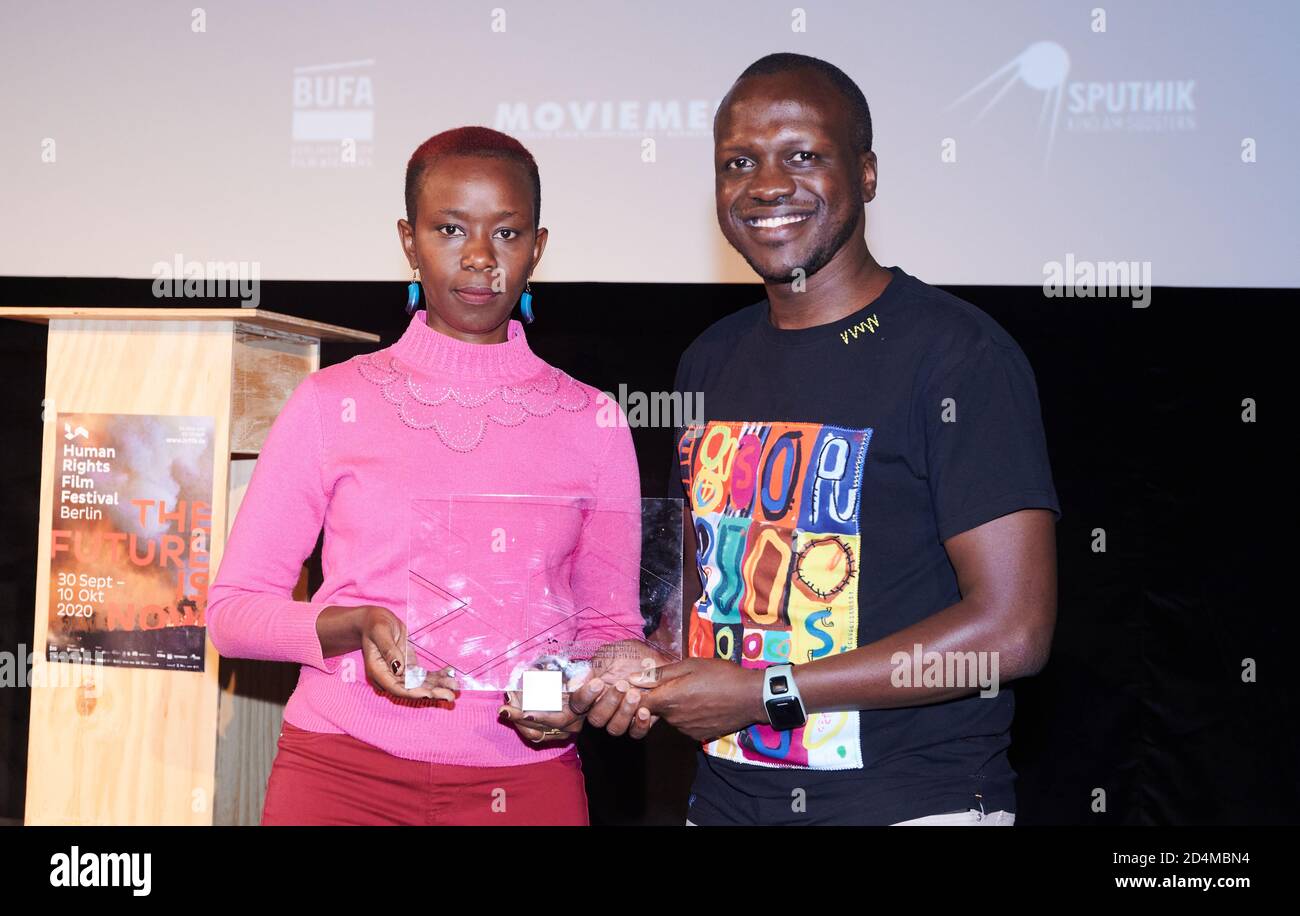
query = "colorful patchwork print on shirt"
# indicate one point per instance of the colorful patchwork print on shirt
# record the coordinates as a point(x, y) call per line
point(777, 542)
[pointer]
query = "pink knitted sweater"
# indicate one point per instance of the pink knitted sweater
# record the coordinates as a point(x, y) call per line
point(354, 444)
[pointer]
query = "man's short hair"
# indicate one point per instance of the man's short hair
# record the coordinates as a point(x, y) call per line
point(784, 62)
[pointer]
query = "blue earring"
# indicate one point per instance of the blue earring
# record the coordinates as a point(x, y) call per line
point(526, 304)
point(412, 293)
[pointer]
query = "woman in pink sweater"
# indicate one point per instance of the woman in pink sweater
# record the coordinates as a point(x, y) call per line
point(458, 405)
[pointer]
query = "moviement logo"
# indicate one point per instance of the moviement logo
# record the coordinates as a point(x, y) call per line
point(584, 119)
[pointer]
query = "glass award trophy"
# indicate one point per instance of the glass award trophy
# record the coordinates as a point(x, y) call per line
point(533, 595)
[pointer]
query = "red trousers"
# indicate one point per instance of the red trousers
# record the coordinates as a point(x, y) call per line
point(319, 778)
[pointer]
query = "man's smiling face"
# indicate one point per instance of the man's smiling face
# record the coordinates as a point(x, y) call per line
point(788, 182)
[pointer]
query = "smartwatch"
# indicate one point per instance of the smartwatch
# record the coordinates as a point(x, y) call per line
point(781, 697)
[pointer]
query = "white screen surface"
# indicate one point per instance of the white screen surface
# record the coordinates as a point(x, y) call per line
point(1009, 134)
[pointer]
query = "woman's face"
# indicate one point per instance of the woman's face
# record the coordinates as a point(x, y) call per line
point(474, 244)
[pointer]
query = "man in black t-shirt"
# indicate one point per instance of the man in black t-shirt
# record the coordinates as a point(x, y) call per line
point(872, 506)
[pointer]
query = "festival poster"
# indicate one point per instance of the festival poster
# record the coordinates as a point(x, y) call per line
point(129, 551)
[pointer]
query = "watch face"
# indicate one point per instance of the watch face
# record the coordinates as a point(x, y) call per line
point(785, 714)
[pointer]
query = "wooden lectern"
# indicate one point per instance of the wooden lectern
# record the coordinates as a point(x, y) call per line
point(144, 745)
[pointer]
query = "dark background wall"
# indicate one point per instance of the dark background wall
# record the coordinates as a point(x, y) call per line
point(1143, 697)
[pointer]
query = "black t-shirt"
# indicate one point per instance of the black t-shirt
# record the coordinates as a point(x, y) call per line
point(828, 468)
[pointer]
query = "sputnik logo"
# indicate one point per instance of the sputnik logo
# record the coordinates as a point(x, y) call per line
point(1043, 67)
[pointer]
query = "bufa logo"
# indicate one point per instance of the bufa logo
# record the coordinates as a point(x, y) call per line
point(334, 102)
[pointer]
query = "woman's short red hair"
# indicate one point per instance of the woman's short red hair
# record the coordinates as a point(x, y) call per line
point(470, 141)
